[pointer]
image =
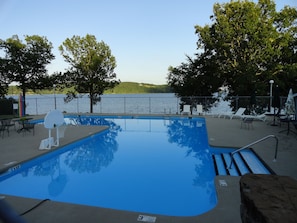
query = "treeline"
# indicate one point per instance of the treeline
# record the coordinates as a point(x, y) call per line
point(122, 88)
point(138, 88)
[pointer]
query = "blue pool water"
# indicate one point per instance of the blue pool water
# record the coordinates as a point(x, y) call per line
point(148, 165)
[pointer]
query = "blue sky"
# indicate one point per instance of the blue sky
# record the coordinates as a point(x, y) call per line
point(145, 36)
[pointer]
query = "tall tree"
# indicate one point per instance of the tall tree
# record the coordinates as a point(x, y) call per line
point(190, 79)
point(249, 43)
point(286, 24)
point(92, 67)
point(25, 63)
point(4, 81)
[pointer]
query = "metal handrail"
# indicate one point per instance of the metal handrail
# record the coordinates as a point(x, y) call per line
point(253, 143)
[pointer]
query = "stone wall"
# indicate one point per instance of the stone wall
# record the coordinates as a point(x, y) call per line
point(268, 199)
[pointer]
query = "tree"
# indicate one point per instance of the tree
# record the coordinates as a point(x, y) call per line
point(286, 24)
point(92, 67)
point(4, 82)
point(25, 63)
point(190, 79)
point(250, 44)
point(246, 45)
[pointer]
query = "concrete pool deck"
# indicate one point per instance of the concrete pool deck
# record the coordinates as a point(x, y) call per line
point(221, 132)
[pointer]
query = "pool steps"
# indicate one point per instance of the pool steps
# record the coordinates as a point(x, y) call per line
point(244, 162)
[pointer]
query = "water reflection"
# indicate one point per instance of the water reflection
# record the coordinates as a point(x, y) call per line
point(58, 181)
point(94, 154)
point(52, 169)
point(188, 133)
point(191, 134)
point(97, 152)
point(91, 120)
point(148, 174)
point(89, 156)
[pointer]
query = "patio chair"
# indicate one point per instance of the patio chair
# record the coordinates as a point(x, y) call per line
point(6, 124)
point(186, 109)
point(239, 113)
point(28, 127)
point(2, 130)
point(247, 123)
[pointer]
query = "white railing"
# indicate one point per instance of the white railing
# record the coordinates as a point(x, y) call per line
point(253, 143)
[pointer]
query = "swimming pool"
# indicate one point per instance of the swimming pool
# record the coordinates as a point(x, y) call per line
point(146, 164)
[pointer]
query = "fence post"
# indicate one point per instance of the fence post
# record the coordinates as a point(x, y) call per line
point(177, 105)
point(36, 106)
point(124, 105)
point(100, 105)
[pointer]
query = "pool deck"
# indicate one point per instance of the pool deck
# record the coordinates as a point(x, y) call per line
point(19, 147)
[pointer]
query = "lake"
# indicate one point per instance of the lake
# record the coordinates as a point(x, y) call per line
point(158, 103)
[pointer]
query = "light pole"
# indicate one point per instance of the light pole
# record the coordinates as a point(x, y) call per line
point(55, 96)
point(271, 84)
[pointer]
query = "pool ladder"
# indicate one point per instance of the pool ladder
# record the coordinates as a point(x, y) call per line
point(253, 143)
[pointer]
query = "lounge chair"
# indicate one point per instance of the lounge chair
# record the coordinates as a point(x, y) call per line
point(186, 109)
point(199, 109)
point(238, 114)
point(261, 117)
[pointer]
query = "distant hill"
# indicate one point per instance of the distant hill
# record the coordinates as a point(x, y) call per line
point(138, 88)
point(122, 88)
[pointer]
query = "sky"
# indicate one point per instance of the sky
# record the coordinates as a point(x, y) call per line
point(145, 36)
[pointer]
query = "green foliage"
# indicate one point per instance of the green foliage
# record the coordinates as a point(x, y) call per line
point(246, 45)
point(189, 79)
point(3, 88)
point(242, 37)
point(25, 63)
point(92, 67)
point(249, 43)
point(4, 81)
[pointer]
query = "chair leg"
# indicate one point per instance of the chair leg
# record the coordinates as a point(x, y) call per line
point(2, 132)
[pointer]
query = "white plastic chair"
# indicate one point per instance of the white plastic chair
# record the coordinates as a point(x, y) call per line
point(186, 109)
point(238, 114)
point(199, 109)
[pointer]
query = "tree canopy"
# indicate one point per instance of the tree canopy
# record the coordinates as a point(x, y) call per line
point(91, 67)
point(246, 45)
point(25, 63)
